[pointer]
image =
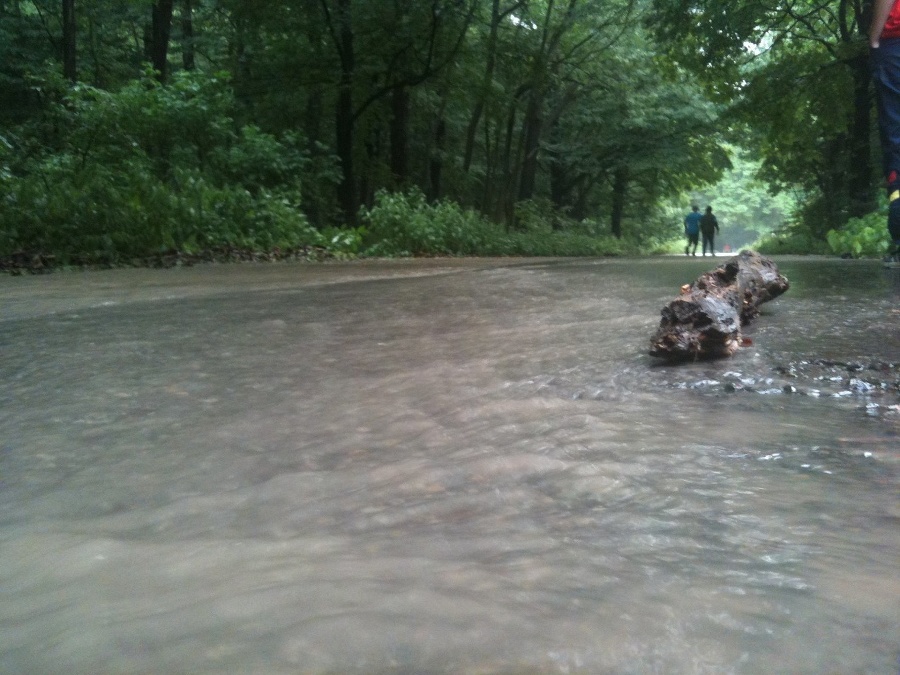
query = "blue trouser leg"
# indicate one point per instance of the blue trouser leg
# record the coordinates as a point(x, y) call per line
point(886, 73)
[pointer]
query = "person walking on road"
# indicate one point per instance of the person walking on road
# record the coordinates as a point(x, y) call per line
point(692, 229)
point(708, 227)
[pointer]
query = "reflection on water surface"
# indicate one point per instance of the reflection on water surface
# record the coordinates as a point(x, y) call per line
point(445, 466)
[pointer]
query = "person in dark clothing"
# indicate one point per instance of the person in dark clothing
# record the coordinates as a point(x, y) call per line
point(884, 40)
point(708, 227)
point(692, 229)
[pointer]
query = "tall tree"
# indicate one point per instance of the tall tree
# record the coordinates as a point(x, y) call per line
point(70, 68)
point(160, 31)
point(402, 46)
point(488, 102)
point(188, 58)
point(498, 15)
point(797, 73)
point(339, 21)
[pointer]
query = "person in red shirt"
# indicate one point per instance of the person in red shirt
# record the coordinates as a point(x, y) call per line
point(884, 40)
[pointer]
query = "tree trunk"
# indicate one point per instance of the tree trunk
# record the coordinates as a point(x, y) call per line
point(705, 320)
point(436, 163)
point(503, 199)
point(583, 188)
point(313, 113)
point(187, 34)
point(399, 135)
point(559, 184)
point(312, 118)
point(533, 124)
point(344, 147)
point(97, 66)
point(160, 30)
point(70, 70)
point(620, 192)
point(344, 114)
point(490, 65)
point(491, 156)
point(862, 195)
point(374, 158)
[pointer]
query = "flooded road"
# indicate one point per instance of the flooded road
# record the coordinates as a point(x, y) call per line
point(445, 466)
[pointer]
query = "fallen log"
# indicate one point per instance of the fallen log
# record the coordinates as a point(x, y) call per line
point(705, 320)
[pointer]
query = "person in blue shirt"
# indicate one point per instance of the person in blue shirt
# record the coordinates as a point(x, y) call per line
point(692, 230)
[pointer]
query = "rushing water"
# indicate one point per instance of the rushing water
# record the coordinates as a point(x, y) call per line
point(445, 467)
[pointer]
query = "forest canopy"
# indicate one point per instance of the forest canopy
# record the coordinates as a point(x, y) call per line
point(405, 127)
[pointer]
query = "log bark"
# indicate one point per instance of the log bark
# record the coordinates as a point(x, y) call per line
point(705, 321)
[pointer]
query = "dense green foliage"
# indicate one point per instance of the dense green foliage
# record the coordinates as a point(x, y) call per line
point(791, 240)
point(425, 127)
point(745, 209)
point(405, 224)
point(795, 82)
point(103, 176)
point(861, 237)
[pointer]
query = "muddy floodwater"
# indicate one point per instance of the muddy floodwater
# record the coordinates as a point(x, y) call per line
point(445, 466)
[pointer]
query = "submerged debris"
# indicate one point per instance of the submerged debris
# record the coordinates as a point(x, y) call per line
point(876, 384)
